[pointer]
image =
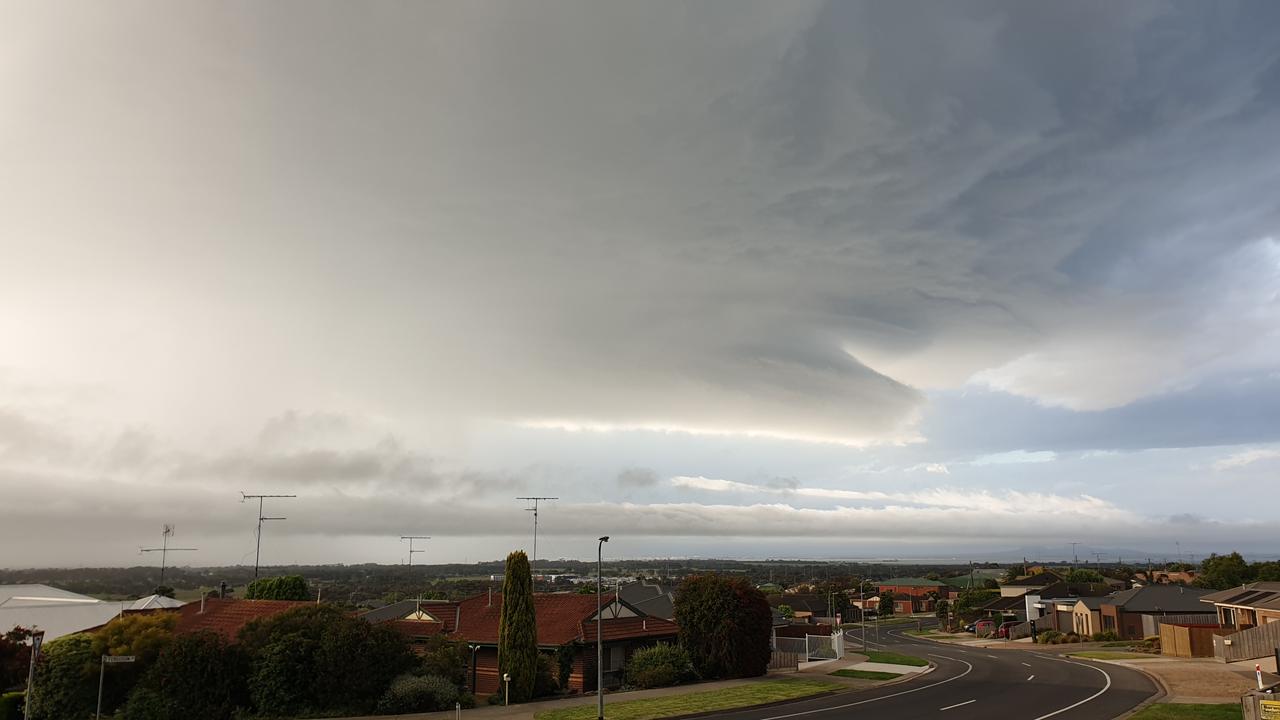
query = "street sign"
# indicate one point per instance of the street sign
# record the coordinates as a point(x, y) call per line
point(1270, 710)
point(117, 658)
point(37, 641)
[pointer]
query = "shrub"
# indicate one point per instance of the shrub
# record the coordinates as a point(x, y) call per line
point(65, 684)
point(15, 658)
point(142, 636)
point(285, 587)
point(413, 693)
point(1049, 637)
point(197, 675)
point(1106, 636)
point(724, 626)
point(11, 706)
point(317, 659)
point(545, 680)
point(446, 658)
point(658, 666)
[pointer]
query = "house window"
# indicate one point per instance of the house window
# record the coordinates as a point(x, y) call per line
point(1108, 622)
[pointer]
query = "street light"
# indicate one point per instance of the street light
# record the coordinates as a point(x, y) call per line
point(599, 630)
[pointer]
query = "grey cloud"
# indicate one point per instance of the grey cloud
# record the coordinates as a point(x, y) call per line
point(638, 477)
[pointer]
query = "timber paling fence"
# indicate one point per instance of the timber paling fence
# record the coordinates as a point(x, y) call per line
point(1256, 642)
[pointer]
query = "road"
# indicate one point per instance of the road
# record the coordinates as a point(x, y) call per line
point(977, 684)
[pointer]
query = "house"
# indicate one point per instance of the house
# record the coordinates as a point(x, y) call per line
point(1137, 613)
point(566, 622)
point(154, 602)
point(1040, 602)
point(913, 594)
point(1247, 606)
point(807, 607)
point(226, 616)
point(1001, 608)
point(56, 612)
point(1086, 615)
point(1022, 586)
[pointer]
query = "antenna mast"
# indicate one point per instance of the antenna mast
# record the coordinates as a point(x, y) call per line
point(533, 561)
point(411, 538)
point(164, 549)
point(257, 553)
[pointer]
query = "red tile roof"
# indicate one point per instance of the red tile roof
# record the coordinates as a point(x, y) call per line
point(629, 628)
point(559, 615)
point(226, 616)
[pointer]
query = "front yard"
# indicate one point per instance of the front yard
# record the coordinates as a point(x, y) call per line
point(892, 658)
point(756, 693)
point(1189, 712)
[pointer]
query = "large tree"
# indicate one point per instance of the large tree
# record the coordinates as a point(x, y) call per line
point(518, 628)
point(725, 625)
point(285, 587)
point(886, 603)
point(1222, 572)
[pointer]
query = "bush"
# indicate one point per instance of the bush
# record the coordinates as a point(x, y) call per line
point(285, 587)
point(317, 659)
point(11, 706)
point(197, 675)
point(66, 683)
point(659, 666)
point(413, 693)
point(1106, 636)
point(144, 637)
point(545, 680)
point(1049, 637)
point(725, 625)
point(446, 658)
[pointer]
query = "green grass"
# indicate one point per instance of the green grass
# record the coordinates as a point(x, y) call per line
point(892, 658)
point(1189, 712)
point(864, 674)
point(1110, 655)
point(926, 631)
point(756, 693)
point(1120, 643)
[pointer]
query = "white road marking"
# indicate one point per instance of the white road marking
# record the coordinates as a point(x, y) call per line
point(968, 669)
point(1027, 664)
point(949, 707)
point(1075, 705)
point(1033, 677)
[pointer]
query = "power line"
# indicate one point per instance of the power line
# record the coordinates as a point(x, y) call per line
point(164, 549)
point(257, 553)
point(411, 538)
point(533, 561)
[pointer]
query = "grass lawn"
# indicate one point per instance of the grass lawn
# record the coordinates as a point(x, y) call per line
point(1189, 712)
point(890, 658)
point(926, 631)
point(864, 674)
point(1110, 655)
point(756, 693)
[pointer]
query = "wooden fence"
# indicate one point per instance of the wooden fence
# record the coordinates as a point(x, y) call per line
point(1188, 641)
point(1258, 642)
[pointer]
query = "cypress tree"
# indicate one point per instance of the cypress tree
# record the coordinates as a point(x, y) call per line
point(518, 628)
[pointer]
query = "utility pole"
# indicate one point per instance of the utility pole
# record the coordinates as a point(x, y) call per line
point(164, 549)
point(1075, 559)
point(257, 553)
point(411, 538)
point(533, 561)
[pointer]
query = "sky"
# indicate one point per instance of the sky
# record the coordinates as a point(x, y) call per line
point(742, 279)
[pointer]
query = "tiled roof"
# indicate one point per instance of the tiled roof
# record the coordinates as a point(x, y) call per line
point(628, 628)
point(559, 617)
point(1037, 580)
point(226, 616)
point(910, 582)
point(445, 612)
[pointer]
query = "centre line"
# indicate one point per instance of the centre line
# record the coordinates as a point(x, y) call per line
point(1033, 677)
point(950, 707)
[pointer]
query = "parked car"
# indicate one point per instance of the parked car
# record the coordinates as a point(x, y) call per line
point(971, 627)
point(1003, 630)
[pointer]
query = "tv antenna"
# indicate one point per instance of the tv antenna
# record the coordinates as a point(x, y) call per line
point(164, 549)
point(257, 553)
point(533, 560)
point(411, 538)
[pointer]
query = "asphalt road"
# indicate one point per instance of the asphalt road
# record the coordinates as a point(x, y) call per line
point(977, 684)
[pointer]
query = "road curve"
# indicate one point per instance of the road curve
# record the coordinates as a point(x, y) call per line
point(977, 684)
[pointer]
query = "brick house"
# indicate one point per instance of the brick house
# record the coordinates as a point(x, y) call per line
point(565, 620)
point(1124, 612)
point(913, 594)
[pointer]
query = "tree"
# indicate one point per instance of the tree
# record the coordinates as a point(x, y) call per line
point(318, 659)
point(1266, 571)
point(1084, 575)
point(886, 603)
point(518, 629)
point(1223, 572)
point(285, 587)
point(142, 636)
point(65, 684)
point(15, 658)
point(725, 624)
point(163, 591)
point(786, 611)
point(943, 610)
point(197, 675)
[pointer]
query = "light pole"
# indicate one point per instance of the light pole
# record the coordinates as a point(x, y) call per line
point(102, 675)
point(599, 630)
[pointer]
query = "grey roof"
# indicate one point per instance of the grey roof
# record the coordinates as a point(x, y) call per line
point(1038, 580)
point(1093, 602)
point(404, 608)
point(32, 595)
point(1256, 595)
point(654, 600)
point(1063, 591)
point(1160, 598)
point(152, 602)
